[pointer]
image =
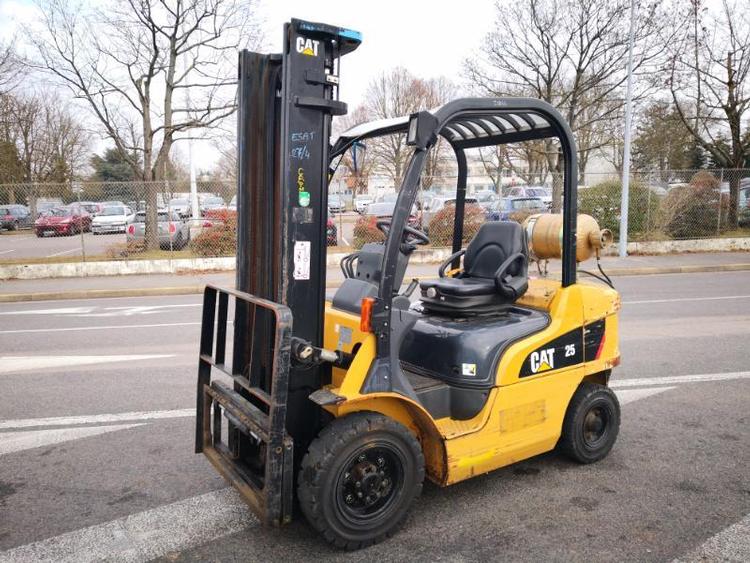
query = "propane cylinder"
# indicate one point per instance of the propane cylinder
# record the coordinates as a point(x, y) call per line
point(544, 233)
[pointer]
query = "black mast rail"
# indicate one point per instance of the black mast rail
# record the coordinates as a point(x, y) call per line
point(284, 119)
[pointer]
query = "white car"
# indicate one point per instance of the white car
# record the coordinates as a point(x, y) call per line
point(112, 219)
point(361, 203)
point(181, 206)
point(545, 194)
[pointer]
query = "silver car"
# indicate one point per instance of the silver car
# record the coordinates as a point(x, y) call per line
point(174, 232)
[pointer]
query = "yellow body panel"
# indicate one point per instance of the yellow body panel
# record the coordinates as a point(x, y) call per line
point(522, 416)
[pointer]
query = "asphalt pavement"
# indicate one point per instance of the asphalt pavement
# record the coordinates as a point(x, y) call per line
point(96, 439)
point(25, 244)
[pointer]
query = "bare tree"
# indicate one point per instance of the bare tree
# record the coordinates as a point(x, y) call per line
point(11, 67)
point(397, 93)
point(570, 53)
point(435, 92)
point(392, 94)
point(150, 71)
point(359, 162)
point(49, 142)
point(708, 77)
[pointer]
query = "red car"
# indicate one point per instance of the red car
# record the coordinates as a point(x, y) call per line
point(62, 221)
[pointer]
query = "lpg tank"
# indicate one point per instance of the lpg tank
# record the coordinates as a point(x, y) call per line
point(544, 233)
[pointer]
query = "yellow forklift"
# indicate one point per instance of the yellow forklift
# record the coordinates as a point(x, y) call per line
point(339, 409)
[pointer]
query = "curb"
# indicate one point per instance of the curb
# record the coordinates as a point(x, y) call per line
point(198, 289)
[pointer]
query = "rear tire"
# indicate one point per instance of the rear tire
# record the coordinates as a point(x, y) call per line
point(359, 478)
point(591, 423)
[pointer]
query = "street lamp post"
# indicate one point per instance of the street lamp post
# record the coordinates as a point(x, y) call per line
point(623, 249)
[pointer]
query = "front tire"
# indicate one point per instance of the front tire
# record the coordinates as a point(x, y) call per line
point(359, 478)
point(591, 423)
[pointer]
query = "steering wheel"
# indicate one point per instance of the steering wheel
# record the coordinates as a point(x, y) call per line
point(411, 235)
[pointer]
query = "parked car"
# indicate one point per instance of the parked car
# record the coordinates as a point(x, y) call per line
point(361, 202)
point(384, 210)
point(545, 194)
point(437, 203)
point(62, 221)
point(486, 198)
point(91, 207)
point(505, 208)
point(112, 219)
point(389, 197)
point(43, 205)
point(332, 234)
point(336, 204)
point(212, 202)
point(180, 206)
point(173, 231)
point(14, 217)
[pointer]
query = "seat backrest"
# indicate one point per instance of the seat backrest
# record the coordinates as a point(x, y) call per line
point(491, 246)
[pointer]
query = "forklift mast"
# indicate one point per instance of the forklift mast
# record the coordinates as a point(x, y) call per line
point(285, 106)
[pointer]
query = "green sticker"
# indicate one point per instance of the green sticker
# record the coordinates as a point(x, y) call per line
point(304, 199)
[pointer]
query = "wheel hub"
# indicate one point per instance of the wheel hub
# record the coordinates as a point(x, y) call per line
point(368, 482)
point(595, 425)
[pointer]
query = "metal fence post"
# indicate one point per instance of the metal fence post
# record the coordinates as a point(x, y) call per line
point(77, 191)
point(718, 207)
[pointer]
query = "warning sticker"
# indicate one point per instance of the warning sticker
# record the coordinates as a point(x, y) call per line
point(302, 260)
point(469, 370)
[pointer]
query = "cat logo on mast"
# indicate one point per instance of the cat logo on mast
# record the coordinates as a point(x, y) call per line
point(307, 47)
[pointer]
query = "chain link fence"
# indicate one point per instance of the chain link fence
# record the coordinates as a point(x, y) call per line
point(86, 221)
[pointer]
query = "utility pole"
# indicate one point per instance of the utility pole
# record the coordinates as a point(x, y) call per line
point(626, 148)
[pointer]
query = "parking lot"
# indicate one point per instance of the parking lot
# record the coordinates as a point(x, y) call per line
point(96, 441)
point(25, 244)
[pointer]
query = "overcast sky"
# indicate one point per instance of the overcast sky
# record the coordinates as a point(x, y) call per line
point(428, 38)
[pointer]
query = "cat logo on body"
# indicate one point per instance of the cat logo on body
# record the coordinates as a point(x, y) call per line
point(307, 47)
point(542, 360)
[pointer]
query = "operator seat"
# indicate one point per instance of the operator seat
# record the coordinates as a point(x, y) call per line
point(495, 273)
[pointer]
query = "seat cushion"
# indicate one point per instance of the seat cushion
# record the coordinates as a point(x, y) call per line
point(459, 286)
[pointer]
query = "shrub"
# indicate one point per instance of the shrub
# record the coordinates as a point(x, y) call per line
point(602, 201)
point(441, 225)
point(122, 250)
point(365, 230)
point(692, 211)
point(220, 239)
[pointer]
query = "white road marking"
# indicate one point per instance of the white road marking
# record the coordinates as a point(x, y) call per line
point(63, 252)
point(731, 544)
point(678, 379)
point(102, 311)
point(629, 395)
point(94, 418)
point(682, 299)
point(29, 439)
point(145, 535)
point(58, 311)
point(10, 364)
point(110, 327)
point(7, 251)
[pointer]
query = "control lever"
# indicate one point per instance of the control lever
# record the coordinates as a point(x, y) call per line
point(413, 284)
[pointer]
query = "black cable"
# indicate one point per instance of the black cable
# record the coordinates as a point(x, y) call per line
point(599, 265)
point(604, 278)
